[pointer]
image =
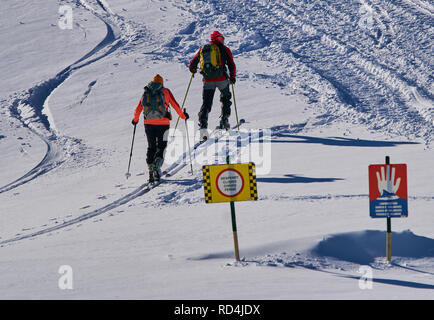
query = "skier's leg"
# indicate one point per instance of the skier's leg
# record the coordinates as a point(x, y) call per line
point(161, 141)
point(152, 149)
point(152, 143)
point(225, 99)
point(162, 132)
point(207, 99)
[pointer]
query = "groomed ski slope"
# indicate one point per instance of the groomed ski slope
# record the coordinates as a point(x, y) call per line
point(337, 85)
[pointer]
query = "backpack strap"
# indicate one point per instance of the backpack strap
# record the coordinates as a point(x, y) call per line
point(219, 56)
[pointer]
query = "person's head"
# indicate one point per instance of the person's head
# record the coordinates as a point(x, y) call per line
point(217, 37)
point(158, 78)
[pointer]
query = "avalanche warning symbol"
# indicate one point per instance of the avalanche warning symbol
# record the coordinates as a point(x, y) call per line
point(388, 190)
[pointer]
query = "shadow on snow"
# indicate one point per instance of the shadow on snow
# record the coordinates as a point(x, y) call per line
point(337, 141)
point(292, 178)
point(359, 248)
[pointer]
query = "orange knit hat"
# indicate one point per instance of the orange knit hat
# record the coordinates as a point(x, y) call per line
point(158, 78)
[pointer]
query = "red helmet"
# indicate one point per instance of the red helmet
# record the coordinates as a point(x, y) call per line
point(217, 37)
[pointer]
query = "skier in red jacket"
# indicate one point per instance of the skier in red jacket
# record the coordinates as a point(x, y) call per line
point(217, 79)
point(155, 106)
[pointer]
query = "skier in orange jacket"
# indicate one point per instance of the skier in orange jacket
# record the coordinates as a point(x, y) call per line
point(154, 104)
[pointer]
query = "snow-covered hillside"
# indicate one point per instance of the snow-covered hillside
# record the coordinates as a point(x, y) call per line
point(332, 87)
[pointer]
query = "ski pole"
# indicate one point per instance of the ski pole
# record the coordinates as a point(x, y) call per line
point(188, 144)
point(131, 153)
point(183, 102)
point(235, 105)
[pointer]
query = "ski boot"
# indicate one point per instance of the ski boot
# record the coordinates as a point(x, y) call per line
point(151, 168)
point(158, 162)
point(203, 134)
point(224, 123)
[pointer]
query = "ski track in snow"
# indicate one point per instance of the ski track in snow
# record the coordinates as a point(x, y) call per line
point(141, 190)
point(31, 109)
point(379, 79)
point(173, 169)
point(378, 75)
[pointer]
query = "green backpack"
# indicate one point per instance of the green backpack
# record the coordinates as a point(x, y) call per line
point(153, 103)
point(210, 61)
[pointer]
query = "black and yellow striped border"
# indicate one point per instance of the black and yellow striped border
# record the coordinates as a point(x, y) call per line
point(207, 184)
point(252, 182)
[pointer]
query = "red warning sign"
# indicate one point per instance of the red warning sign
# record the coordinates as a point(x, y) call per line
point(230, 182)
point(388, 190)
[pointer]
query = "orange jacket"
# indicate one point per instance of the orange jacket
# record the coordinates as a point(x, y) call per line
point(168, 99)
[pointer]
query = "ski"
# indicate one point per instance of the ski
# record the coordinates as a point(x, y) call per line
point(214, 136)
point(214, 132)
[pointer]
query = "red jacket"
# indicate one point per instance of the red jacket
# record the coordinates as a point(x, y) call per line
point(226, 60)
point(168, 99)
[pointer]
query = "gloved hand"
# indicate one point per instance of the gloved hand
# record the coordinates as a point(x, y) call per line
point(186, 114)
point(134, 122)
point(168, 115)
point(193, 70)
point(232, 80)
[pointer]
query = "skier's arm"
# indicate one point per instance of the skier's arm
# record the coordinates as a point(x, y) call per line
point(193, 63)
point(230, 62)
point(168, 96)
point(138, 111)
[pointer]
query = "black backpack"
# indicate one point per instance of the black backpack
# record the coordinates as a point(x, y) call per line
point(211, 61)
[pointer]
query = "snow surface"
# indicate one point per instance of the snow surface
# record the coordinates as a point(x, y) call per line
point(338, 84)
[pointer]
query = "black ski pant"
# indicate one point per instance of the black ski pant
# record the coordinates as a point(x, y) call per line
point(157, 141)
point(207, 99)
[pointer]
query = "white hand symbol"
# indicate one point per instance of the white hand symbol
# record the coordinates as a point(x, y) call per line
point(386, 182)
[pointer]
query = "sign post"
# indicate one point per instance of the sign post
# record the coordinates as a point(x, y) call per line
point(234, 232)
point(388, 195)
point(230, 183)
point(234, 225)
point(389, 229)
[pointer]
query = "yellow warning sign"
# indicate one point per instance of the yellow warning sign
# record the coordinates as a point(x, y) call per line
point(230, 182)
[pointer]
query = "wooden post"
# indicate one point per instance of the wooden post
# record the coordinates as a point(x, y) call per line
point(234, 224)
point(234, 231)
point(389, 229)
